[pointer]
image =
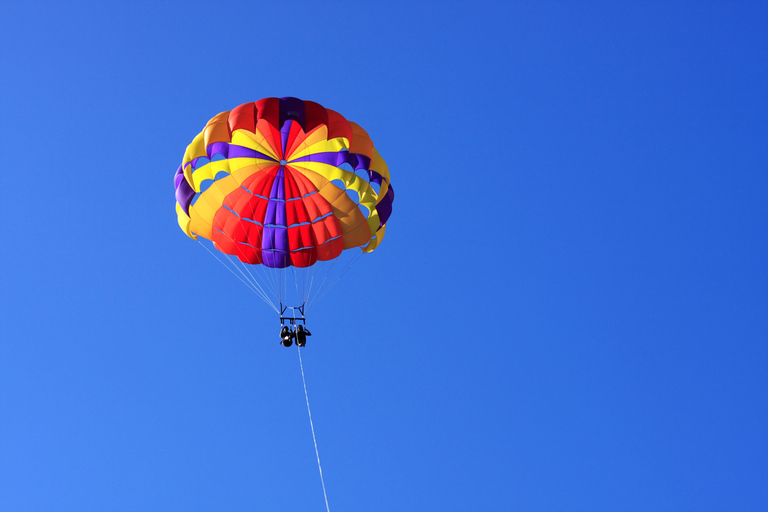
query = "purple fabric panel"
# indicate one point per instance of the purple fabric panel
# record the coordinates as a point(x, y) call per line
point(292, 108)
point(268, 239)
point(275, 213)
point(363, 162)
point(274, 259)
point(229, 151)
point(384, 208)
point(184, 192)
point(271, 216)
point(184, 195)
point(178, 176)
point(284, 132)
point(236, 151)
point(330, 158)
point(218, 148)
point(278, 186)
point(374, 177)
point(272, 243)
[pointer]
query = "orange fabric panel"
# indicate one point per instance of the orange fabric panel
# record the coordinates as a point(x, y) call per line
point(354, 226)
point(361, 143)
point(243, 118)
point(217, 130)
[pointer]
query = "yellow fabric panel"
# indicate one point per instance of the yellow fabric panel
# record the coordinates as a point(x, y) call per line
point(184, 221)
point(317, 142)
point(217, 129)
point(267, 133)
point(195, 148)
point(361, 142)
point(208, 172)
point(368, 196)
point(202, 212)
point(255, 141)
point(337, 144)
point(376, 240)
point(317, 136)
point(379, 165)
point(242, 173)
point(317, 147)
point(373, 221)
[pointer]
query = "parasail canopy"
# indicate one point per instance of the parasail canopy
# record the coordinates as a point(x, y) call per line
point(283, 183)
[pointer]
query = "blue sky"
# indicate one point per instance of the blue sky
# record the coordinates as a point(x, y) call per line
point(568, 311)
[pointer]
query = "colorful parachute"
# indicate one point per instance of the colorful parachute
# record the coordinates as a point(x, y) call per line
point(283, 183)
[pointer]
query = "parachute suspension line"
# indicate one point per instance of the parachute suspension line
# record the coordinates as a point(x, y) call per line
point(253, 279)
point(255, 285)
point(324, 274)
point(316, 270)
point(296, 282)
point(312, 426)
point(268, 279)
point(336, 279)
point(242, 278)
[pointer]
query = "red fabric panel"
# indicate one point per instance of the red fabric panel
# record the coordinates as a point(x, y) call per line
point(253, 207)
point(261, 182)
point(330, 250)
point(256, 209)
point(326, 229)
point(243, 118)
point(229, 222)
point(314, 116)
point(223, 242)
point(220, 219)
point(300, 237)
point(238, 200)
point(302, 183)
point(272, 137)
point(296, 134)
point(338, 126)
point(253, 235)
point(295, 210)
point(291, 191)
point(248, 254)
point(251, 253)
point(269, 110)
point(333, 225)
point(317, 206)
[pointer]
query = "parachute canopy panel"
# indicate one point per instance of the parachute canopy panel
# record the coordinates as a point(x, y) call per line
point(283, 182)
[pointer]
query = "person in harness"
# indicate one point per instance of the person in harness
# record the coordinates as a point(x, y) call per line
point(301, 335)
point(286, 336)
